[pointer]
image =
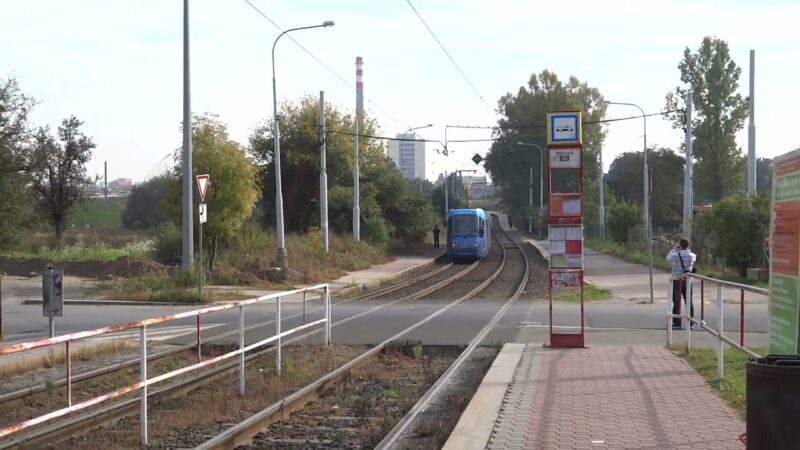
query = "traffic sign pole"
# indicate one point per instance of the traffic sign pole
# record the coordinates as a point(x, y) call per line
point(202, 187)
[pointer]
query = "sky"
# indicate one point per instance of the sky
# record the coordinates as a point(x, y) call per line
point(117, 65)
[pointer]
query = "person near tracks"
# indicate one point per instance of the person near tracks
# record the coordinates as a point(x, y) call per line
point(436, 232)
point(682, 261)
point(510, 224)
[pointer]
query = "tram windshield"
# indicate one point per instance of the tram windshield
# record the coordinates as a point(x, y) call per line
point(464, 226)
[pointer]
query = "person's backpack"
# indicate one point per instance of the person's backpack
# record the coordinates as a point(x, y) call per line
point(694, 269)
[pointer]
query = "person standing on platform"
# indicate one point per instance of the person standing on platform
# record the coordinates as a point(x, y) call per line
point(682, 261)
point(436, 232)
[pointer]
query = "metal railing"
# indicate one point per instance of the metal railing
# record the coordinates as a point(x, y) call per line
point(144, 381)
point(687, 319)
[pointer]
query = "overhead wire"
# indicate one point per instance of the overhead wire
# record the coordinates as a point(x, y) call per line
point(333, 72)
point(463, 75)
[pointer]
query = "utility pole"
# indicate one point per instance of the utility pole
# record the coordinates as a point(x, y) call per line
point(446, 193)
point(187, 242)
point(323, 174)
point(751, 129)
point(688, 185)
point(602, 202)
point(105, 179)
point(359, 113)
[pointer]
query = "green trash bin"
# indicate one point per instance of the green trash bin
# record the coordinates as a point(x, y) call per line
point(773, 403)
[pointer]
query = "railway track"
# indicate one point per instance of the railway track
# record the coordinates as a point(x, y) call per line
point(415, 288)
point(248, 433)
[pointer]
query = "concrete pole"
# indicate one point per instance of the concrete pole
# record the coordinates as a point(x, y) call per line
point(323, 174)
point(187, 242)
point(688, 185)
point(446, 193)
point(359, 113)
point(530, 201)
point(602, 207)
point(281, 257)
point(647, 217)
point(105, 179)
point(751, 130)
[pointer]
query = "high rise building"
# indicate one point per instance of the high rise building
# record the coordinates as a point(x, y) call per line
point(408, 156)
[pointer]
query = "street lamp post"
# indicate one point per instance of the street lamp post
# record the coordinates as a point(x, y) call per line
point(276, 142)
point(647, 225)
point(541, 186)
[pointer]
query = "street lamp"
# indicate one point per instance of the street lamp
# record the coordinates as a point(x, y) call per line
point(418, 128)
point(647, 225)
point(276, 142)
point(541, 186)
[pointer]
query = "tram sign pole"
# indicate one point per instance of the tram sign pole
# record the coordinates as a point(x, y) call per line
point(565, 200)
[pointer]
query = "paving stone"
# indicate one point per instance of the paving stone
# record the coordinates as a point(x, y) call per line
point(611, 397)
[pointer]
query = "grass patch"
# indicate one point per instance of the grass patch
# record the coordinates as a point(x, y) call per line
point(81, 244)
point(638, 254)
point(251, 252)
point(631, 252)
point(168, 288)
point(591, 293)
point(732, 388)
point(98, 212)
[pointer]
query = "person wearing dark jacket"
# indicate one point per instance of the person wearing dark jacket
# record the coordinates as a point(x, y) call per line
point(436, 232)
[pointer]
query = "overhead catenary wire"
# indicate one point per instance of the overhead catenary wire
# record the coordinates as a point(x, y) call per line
point(388, 138)
point(333, 72)
point(463, 75)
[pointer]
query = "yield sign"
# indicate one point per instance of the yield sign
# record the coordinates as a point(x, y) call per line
point(202, 185)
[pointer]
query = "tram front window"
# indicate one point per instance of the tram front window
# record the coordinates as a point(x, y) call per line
point(464, 226)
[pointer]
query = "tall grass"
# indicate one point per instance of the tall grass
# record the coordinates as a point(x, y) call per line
point(82, 244)
point(253, 249)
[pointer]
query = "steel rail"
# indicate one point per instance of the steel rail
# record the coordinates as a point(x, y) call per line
point(243, 432)
point(124, 408)
point(28, 391)
point(423, 403)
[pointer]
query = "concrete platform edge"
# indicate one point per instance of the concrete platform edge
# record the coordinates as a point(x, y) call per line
point(477, 422)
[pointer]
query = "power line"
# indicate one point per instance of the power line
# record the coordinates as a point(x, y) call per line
point(448, 54)
point(586, 122)
point(346, 83)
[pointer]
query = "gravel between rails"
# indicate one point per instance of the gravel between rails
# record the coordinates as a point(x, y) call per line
point(359, 410)
point(190, 420)
point(434, 425)
point(420, 285)
point(462, 286)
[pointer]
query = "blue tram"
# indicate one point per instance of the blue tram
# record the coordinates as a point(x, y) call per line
point(469, 233)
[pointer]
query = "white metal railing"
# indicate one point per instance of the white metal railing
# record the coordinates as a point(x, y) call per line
point(144, 381)
point(687, 319)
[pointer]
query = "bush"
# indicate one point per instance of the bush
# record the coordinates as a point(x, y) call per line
point(168, 244)
point(374, 230)
point(143, 209)
point(623, 217)
point(736, 228)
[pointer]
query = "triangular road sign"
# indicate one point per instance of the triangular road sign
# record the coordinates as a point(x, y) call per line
point(202, 186)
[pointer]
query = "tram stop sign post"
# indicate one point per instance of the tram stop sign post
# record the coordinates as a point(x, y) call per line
point(565, 200)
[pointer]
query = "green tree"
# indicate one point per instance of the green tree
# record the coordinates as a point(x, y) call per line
point(623, 217)
point(625, 180)
point(15, 210)
point(764, 175)
point(390, 205)
point(735, 228)
point(58, 170)
point(453, 202)
point(719, 113)
point(143, 209)
point(233, 190)
point(523, 118)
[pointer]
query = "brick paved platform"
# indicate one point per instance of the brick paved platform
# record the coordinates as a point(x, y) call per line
point(631, 397)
